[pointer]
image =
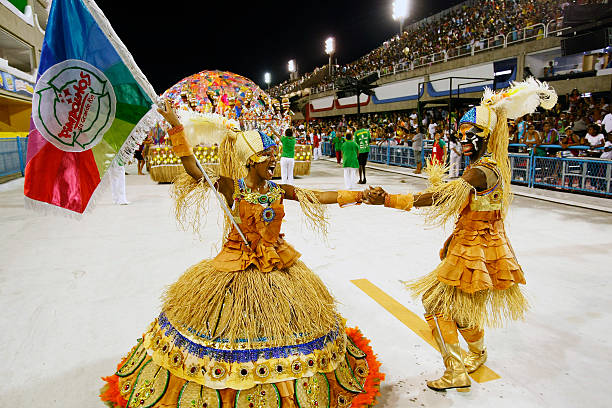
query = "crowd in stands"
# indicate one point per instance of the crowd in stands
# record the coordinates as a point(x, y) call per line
point(461, 30)
point(577, 120)
point(472, 26)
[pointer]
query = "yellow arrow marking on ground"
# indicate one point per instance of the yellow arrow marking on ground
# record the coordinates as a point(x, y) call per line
point(414, 323)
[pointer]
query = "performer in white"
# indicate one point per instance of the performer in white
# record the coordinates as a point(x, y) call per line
point(455, 156)
point(117, 178)
point(287, 160)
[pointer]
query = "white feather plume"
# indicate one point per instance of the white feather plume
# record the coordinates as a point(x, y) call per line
point(206, 128)
point(521, 98)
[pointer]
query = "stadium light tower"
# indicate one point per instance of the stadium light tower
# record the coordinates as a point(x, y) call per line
point(267, 79)
point(400, 12)
point(292, 67)
point(329, 50)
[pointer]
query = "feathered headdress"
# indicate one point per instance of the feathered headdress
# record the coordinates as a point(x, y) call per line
point(492, 115)
point(521, 98)
point(236, 147)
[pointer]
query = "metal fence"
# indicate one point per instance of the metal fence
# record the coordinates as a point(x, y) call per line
point(577, 174)
point(13, 155)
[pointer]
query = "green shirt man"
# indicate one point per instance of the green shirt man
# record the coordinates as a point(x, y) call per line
point(363, 138)
point(349, 154)
point(288, 146)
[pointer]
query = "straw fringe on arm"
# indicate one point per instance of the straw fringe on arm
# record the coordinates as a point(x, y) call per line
point(191, 200)
point(317, 219)
point(448, 198)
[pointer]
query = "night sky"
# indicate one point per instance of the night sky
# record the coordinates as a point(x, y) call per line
point(171, 40)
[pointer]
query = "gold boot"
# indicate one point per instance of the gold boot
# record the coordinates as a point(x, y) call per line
point(431, 322)
point(477, 354)
point(455, 375)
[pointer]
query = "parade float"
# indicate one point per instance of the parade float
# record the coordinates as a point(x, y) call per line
point(236, 98)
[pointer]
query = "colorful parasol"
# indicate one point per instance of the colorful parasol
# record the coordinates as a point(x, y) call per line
point(232, 96)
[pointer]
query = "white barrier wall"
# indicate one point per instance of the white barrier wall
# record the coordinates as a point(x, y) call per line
point(323, 103)
point(477, 71)
point(399, 89)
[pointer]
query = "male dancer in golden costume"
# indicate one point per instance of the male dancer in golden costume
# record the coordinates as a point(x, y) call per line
point(476, 284)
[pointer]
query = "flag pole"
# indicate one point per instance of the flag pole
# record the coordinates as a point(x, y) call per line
point(222, 202)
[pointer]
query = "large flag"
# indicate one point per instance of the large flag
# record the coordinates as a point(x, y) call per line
point(91, 106)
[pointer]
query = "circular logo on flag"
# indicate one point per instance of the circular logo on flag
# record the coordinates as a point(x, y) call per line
point(73, 105)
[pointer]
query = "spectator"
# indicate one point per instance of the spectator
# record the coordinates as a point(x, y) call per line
point(570, 139)
point(417, 146)
point(607, 154)
point(595, 139)
point(432, 130)
point(363, 139)
point(532, 136)
point(138, 155)
point(332, 142)
point(316, 145)
point(600, 61)
point(574, 99)
point(438, 151)
point(338, 140)
point(521, 129)
point(350, 152)
point(455, 156)
point(549, 71)
point(287, 160)
point(607, 122)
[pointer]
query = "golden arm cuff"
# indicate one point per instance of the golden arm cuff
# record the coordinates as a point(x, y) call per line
point(399, 201)
point(180, 145)
point(346, 197)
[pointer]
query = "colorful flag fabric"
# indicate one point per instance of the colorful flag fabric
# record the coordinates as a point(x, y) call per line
point(91, 106)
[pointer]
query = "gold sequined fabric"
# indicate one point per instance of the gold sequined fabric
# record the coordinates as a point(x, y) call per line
point(152, 385)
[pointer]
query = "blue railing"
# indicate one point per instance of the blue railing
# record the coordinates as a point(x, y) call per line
point(13, 155)
point(577, 174)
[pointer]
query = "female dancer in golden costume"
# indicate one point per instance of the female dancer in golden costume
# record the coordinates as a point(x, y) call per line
point(254, 326)
point(476, 284)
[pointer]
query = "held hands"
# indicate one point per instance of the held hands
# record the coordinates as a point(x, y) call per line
point(168, 113)
point(374, 196)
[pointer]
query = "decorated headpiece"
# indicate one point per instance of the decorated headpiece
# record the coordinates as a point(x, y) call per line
point(521, 98)
point(210, 128)
point(492, 115)
point(250, 143)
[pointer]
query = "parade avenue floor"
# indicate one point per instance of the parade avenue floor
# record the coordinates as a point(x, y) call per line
point(75, 295)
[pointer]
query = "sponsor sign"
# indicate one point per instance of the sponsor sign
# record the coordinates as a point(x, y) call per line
point(13, 84)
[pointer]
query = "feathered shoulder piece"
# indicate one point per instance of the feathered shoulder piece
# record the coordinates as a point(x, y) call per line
point(521, 98)
point(206, 128)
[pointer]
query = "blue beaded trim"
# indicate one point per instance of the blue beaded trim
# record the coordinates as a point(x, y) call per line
point(266, 140)
point(268, 214)
point(243, 356)
point(469, 117)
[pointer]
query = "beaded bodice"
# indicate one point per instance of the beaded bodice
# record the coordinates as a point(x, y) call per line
point(491, 198)
point(259, 217)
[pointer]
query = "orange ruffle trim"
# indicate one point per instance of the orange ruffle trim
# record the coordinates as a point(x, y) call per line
point(478, 255)
point(375, 377)
point(109, 394)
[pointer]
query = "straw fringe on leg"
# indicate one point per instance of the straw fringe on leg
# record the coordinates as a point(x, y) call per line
point(479, 309)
